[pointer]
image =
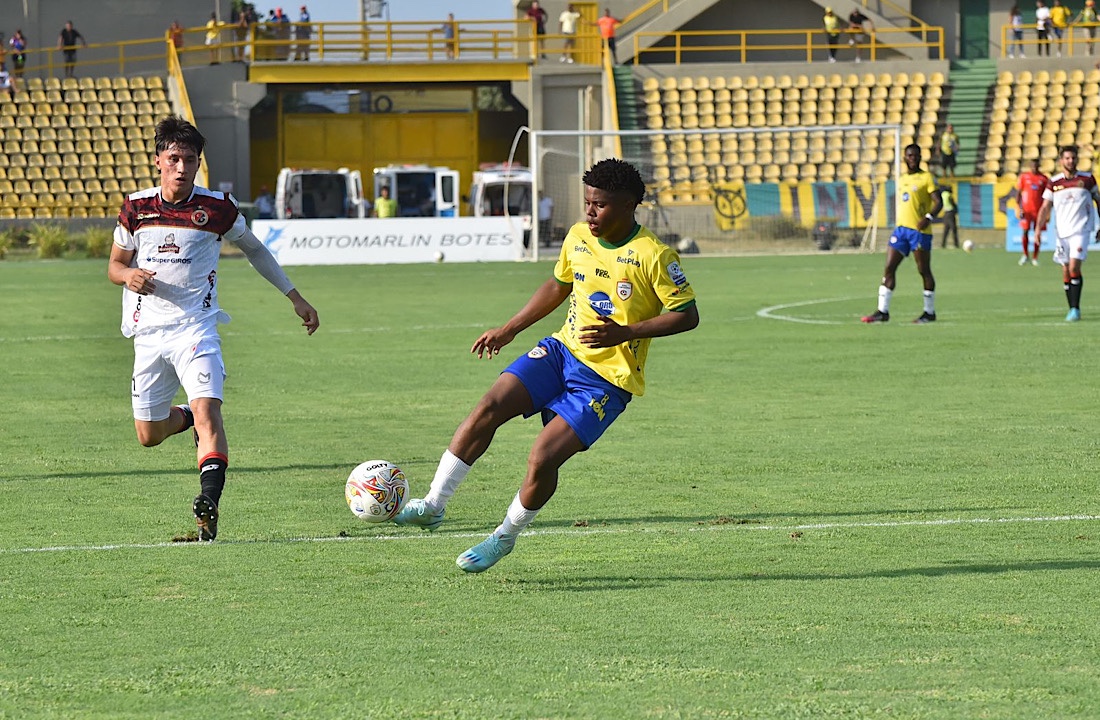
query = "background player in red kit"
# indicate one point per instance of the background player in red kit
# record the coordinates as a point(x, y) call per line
point(1029, 197)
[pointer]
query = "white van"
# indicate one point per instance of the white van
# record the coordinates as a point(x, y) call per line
point(420, 190)
point(488, 187)
point(304, 194)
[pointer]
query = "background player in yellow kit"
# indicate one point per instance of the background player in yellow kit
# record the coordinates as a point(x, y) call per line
point(918, 203)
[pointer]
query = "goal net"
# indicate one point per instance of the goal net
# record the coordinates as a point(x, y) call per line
point(730, 191)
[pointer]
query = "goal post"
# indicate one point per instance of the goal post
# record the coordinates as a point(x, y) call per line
point(727, 190)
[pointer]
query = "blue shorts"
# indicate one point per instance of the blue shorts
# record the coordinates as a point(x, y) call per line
point(906, 240)
point(560, 384)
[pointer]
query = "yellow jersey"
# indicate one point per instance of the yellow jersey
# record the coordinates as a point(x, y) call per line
point(629, 282)
point(385, 207)
point(1059, 16)
point(914, 199)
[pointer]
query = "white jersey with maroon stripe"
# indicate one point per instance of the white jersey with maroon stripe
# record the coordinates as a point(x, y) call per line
point(181, 243)
point(1073, 197)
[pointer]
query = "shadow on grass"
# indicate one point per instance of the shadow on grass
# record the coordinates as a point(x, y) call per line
point(793, 519)
point(606, 582)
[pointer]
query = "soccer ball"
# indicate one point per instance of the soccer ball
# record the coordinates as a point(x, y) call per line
point(968, 245)
point(376, 491)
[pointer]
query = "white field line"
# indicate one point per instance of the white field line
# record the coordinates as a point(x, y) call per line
point(773, 312)
point(230, 333)
point(734, 526)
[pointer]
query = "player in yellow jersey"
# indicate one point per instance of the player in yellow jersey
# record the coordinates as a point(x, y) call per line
point(625, 287)
point(918, 203)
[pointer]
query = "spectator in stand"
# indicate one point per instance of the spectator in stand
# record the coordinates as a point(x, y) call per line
point(949, 148)
point(1042, 27)
point(607, 24)
point(1059, 22)
point(213, 30)
point(265, 204)
point(450, 33)
point(1087, 17)
point(67, 41)
point(537, 15)
point(282, 32)
point(567, 23)
point(1029, 199)
point(175, 33)
point(860, 28)
point(1016, 20)
point(302, 32)
point(18, 45)
point(240, 33)
point(7, 82)
point(832, 32)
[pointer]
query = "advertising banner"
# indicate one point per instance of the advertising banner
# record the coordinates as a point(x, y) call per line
point(370, 241)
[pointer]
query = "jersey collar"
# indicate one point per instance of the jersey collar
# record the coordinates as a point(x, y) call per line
point(624, 241)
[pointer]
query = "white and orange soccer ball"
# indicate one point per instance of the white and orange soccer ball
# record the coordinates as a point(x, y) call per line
point(376, 491)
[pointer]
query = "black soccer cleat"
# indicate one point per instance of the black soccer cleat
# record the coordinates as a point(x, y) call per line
point(925, 318)
point(877, 316)
point(206, 517)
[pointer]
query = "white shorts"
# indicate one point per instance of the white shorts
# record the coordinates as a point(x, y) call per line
point(1074, 247)
point(164, 360)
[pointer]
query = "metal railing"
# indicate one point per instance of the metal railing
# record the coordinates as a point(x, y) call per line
point(1071, 44)
point(742, 46)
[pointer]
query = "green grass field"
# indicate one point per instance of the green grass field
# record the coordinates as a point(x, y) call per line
point(805, 517)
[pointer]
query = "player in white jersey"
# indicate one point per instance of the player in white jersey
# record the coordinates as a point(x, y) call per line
point(165, 256)
point(1071, 196)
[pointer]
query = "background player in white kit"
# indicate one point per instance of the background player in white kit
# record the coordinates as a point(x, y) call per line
point(1071, 195)
point(165, 256)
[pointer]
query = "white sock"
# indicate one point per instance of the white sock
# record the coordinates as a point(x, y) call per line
point(448, 476)
point(884, 295)
point(930, 302)
point(517, 519)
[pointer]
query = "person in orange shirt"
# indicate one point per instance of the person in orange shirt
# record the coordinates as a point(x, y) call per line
point(607, 24)
point(1029, 198)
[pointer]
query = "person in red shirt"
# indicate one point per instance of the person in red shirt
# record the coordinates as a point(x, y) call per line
point(537, 15)
point(607, 24)
point(1029, 198)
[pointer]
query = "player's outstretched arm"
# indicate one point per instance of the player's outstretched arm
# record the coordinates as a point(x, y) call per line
point(304, 310)
point(543, 302)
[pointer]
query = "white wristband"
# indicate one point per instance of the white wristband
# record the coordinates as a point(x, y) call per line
point(929, 216)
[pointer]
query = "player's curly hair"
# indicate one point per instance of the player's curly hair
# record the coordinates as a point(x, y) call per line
point(174, 130)
point(615, 175)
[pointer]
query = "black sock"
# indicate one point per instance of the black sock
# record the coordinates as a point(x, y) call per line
point(1074, 293)
point(188, 417)
point(212, 476)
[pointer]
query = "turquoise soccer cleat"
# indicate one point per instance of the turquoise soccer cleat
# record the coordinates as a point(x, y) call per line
point(416, 512)
point(1073, 315)
point(486, 553)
